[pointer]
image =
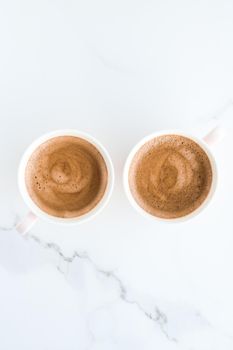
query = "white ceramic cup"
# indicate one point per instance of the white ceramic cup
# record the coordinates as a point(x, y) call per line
point(206, 143)
point(35, 212)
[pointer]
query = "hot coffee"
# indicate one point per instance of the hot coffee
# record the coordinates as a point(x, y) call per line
point(66, 176)
point(170, 176)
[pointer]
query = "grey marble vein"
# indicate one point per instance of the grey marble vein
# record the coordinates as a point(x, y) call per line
point(156, 316)
point(152, 312)
point(10, 227)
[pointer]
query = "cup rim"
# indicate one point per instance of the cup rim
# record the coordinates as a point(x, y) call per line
point(54, 219)
point(149, 137)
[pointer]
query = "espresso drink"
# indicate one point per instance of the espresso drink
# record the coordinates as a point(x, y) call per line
point(66, 176)
point(170, 176)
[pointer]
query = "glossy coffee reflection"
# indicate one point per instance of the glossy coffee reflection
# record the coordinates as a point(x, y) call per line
point(66, 176)
point(170, 176)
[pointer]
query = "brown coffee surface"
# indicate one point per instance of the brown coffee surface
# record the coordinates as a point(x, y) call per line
point(170, 176)
point(66, 176)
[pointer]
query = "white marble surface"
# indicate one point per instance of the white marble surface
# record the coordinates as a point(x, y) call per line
point(118, 70)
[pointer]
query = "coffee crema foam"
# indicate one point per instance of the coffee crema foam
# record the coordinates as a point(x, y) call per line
point(66, 176)
point(170, 176)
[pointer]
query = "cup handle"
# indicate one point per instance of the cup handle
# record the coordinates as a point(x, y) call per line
point(26, 223)
point(214, 136)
